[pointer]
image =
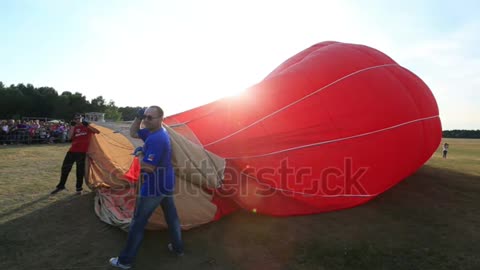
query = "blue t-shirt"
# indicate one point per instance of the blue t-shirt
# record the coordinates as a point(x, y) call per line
point(157, 152)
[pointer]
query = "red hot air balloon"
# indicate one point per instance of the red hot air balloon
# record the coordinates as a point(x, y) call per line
point(331, 128)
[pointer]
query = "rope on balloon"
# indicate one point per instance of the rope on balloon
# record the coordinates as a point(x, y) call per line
point(298, 101)
point(206, 153)
point(113, 137)
point(336, 140)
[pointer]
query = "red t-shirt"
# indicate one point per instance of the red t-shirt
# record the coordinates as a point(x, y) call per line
point(80, 139)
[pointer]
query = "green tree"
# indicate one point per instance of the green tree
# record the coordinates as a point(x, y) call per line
point(78, 103)
point(461, 133)
point(12, 103)
point(47, 97)
point(22, 100)
point(112, 113)
point(129, 113)
point(69, 104)
point(98, 104)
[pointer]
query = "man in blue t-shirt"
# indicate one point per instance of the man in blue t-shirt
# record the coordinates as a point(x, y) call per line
point(157, 188)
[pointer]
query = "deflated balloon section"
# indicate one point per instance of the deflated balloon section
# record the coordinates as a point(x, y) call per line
point(332, 127)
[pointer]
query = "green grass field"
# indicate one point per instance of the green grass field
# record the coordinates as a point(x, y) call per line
point(431, 220)
point(463, 156)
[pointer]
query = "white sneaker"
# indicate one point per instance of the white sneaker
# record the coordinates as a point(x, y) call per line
point(170, 247)
point(115, 263)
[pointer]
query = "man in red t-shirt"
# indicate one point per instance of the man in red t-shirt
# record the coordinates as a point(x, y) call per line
point(80, 134)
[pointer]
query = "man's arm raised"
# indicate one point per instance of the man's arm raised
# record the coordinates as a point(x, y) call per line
point(135, 127)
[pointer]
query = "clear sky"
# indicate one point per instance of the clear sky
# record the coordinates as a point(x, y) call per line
point(180, 54)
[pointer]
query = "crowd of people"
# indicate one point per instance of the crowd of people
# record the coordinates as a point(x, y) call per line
point(32, 131)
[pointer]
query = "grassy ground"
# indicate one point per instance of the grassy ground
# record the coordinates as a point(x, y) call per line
point(27, 173)
point(463, 156)
point(429, 221)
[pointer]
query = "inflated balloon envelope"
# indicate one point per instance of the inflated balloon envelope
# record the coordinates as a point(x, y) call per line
point(331, 128)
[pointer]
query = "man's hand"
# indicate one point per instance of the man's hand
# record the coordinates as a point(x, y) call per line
point(138, 151)
point(85, 123)
point(135, 126)
point(140, 113)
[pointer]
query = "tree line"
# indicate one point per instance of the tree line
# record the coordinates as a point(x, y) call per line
point(17, 101)
point(462, 133)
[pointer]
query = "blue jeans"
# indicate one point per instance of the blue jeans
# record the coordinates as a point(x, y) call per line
point(143, 210)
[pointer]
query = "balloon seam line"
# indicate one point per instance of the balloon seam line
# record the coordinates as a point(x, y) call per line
point(336, 140)
point(298, 101)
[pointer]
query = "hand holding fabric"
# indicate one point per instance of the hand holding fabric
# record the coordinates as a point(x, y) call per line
point(138, 151)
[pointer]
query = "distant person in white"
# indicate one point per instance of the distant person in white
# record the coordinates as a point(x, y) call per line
point(445, 150)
